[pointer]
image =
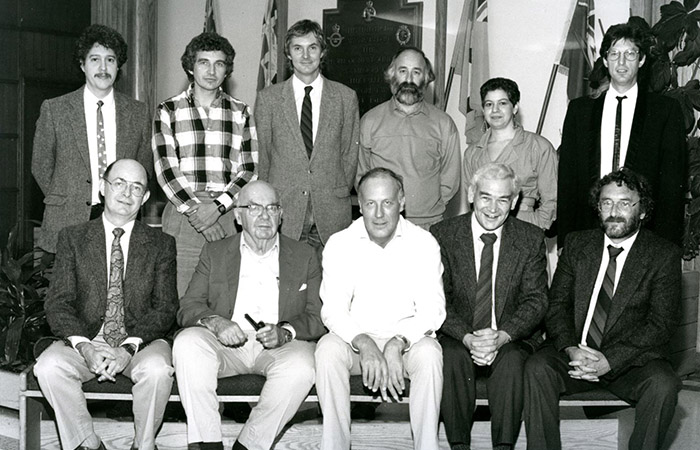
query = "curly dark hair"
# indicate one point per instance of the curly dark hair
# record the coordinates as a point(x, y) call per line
point(633, 181)
point(207, 42)
point(429, 73)
point(510, 87)
point(106, 37)
point(302, 28)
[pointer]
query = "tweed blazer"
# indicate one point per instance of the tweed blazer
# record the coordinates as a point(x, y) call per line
point(645, 307)
point(656, 150)
point(521, 277)
point(77, 298)
point(61, 157)
point(214, 286)
point(329, 175)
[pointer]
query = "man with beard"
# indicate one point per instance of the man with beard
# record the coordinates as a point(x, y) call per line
point(613, 306)
point(81, 133)
point(413, 138)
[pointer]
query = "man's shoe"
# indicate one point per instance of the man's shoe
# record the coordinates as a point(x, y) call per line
point(503, 447)
point(238, 446)
point(460, 447)
point(155, 447)
point(363, 410)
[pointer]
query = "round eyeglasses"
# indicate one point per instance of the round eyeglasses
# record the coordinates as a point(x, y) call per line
point(118, 186)
point(630, 55)
point(256, 210)
point(624, 206)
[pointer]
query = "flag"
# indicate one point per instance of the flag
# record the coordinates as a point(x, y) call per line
point(267, 72)
point(209, 24)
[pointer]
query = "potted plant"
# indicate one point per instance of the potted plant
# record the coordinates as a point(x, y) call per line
point(22, 318)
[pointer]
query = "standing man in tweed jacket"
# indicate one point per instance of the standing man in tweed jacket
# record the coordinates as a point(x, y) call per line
point(311, 161)
point(205, 151)
point(79, 134)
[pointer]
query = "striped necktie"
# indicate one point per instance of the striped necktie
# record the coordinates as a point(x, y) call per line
point(602, 306)
point(306, 123)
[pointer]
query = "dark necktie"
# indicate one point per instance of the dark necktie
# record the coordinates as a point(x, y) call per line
point(618, 133)
point(602, 306)
point(114, 329)
point(482, 309)
point(306, 123)
point(101, 148)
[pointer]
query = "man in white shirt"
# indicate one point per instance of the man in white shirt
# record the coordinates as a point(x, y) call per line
point(79, 134)
point(275, 281)
point(112, 300)
point(613, 306)
point(382, 302)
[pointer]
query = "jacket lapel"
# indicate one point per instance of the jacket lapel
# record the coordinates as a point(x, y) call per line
point(466, 240)
point(590, 258)
point(329, 114)
point(231, 267)
point(289, 109)
point(508, 256)
point(136, 265)
point(122, 118)
point(637, 132)
point(79, 126)
point(288, 273)
point(96, 257)
point(594, 131)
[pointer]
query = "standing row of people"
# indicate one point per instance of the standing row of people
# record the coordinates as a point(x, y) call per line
point(380, 290)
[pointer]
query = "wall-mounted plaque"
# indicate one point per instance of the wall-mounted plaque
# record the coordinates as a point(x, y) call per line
point(362, 36)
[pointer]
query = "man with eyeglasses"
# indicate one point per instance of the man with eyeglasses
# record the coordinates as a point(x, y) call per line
point(205, 150)
point(613, 306)
point(252, 307)
point(112, 301)
point(625, 126)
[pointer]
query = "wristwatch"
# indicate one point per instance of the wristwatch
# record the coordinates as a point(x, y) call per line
point(220, 206)
point(130, 348)
point(405, 341)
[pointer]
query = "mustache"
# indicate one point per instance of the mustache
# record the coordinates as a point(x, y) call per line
point(613, 219)
point(409, 87)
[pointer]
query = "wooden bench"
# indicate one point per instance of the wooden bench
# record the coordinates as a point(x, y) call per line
point(241, 388)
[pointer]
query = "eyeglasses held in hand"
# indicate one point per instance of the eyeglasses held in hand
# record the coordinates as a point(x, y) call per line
point(118, 186)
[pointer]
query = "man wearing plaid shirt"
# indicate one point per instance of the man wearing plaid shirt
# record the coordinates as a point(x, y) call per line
point(205, 151)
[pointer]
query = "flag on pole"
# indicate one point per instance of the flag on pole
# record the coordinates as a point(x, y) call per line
point(209, 24)
point(267, 72)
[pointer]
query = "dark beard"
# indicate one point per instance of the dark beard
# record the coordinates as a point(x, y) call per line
point(408, 93)
point(628, 228)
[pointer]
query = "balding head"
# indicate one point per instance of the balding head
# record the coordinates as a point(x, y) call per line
point(124, 188)
point(261, 222)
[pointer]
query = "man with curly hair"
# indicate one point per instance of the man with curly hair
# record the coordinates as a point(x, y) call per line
point(205, 150)
point(81, 133)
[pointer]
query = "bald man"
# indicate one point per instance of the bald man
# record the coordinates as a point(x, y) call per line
point(111, 303)
point(274, 280)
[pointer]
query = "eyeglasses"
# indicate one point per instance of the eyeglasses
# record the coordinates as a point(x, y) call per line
point(118, 186)
point(256, 210)
point(630, 55)
point(624, 206)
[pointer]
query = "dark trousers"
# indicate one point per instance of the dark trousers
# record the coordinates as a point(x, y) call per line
point(505, 392)
point(652, 388)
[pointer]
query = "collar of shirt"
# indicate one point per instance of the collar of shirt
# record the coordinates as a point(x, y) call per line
point(626, 245)
point(193, 100)
point(477, 231)
point(315, 95)
point(123, 241)
point(396, 107)
point(109, 117)
point(247, 249)
point(607, 127)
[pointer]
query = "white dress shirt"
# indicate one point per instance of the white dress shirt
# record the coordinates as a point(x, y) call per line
point(109, 115)
point(382, 292)
point(626, 245)
point(607, 126)
point(315, 95)
point(477, 231)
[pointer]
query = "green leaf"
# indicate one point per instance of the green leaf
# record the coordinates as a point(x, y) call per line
point(14, 335)
point(689, 54)
point(670, 26)
point(690, 4)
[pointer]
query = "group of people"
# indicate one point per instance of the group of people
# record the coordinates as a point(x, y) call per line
point(306, 296)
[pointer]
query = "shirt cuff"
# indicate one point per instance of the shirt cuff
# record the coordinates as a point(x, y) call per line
point(288, 326)
point(226, 200)
point(183, 208)
point(134, 341)
point(75, 340)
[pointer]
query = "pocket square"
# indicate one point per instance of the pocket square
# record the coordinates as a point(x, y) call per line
point(303, 287)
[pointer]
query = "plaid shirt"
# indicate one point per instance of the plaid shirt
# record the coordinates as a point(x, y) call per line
point(194, 152)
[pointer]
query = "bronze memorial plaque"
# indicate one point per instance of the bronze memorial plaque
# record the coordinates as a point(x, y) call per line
point(362, 37)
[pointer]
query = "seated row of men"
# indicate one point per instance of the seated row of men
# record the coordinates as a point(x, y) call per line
point(441, 309)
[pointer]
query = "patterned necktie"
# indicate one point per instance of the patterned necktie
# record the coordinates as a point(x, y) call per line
point(101, 149)
point(114, 329)
point(306, 123)
point(482, 309)
point(602, 306)
point(618, 133)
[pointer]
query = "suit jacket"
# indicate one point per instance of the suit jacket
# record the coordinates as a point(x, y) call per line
point(645, 307)
point(329, 175)
point(214, 286)
point(521, 277)
point(77, 298)
point(61, 157)
point(656, 150)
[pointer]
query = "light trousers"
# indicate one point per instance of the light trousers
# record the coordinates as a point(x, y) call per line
point(61, 371)
point(336, 361)
point(200, 360)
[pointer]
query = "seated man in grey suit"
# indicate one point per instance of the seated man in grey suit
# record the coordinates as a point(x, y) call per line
point(496, 292)
point(613, 306)
point(257, 274)
point(112, 300)
point(382, 301)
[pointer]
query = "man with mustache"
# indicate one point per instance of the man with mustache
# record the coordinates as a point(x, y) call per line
point(81, 133)
point(205, 151)
point(613, 306)
point(413, 138)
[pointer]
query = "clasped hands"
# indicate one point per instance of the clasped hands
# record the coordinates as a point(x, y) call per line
point(484, 344)
point(588, 364)
point(381, 370)
point(204, 218)
point(105, 362)
point(230, 334)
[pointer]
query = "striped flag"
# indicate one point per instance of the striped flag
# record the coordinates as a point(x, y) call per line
point(209, 24)
point(267, 72)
